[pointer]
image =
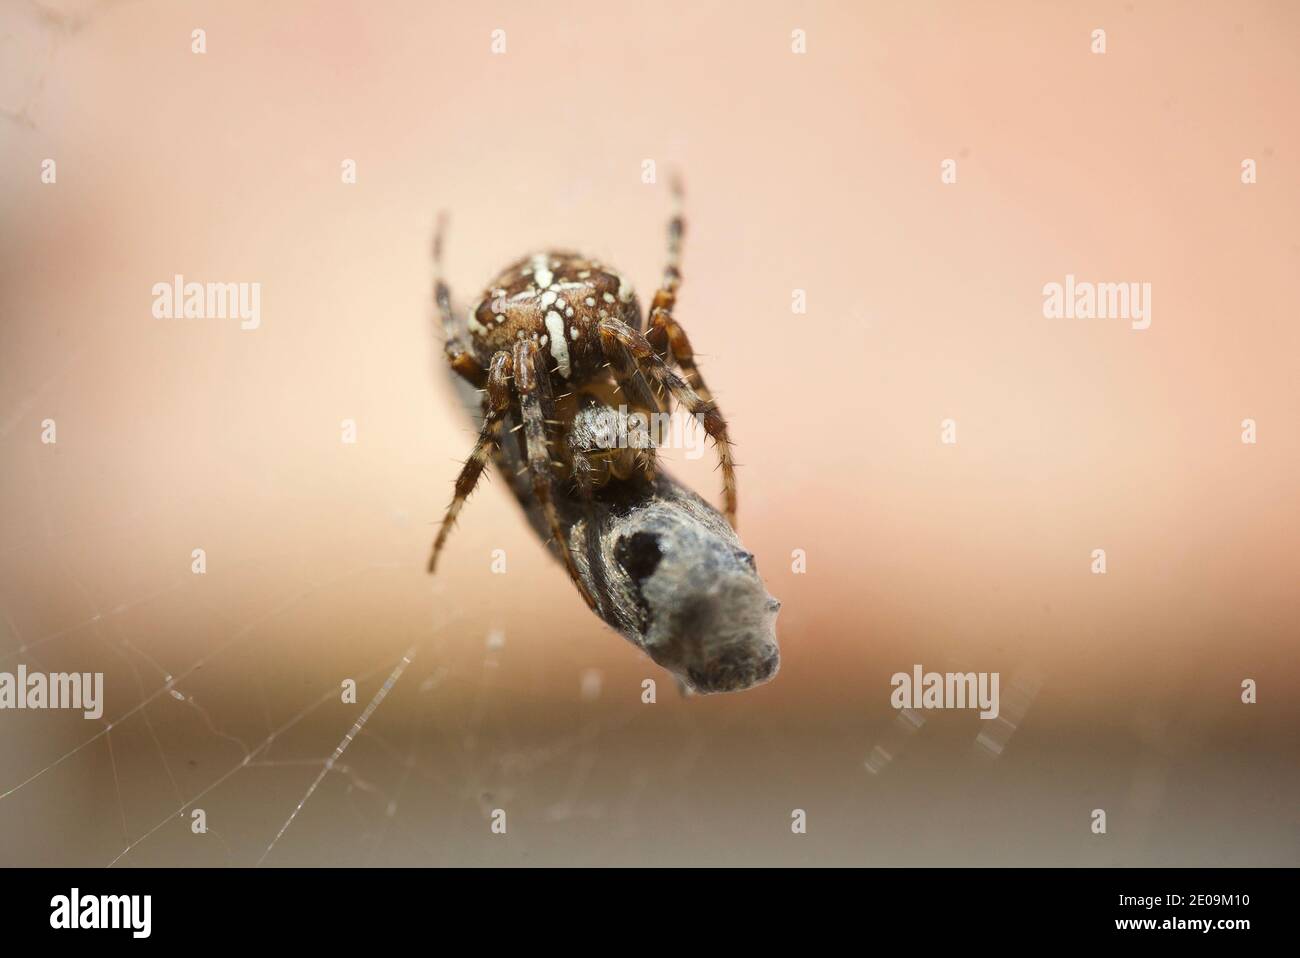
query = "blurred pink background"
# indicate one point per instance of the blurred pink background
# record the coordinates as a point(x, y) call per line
point(818, 172)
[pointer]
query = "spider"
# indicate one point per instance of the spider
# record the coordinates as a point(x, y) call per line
point(550, 340)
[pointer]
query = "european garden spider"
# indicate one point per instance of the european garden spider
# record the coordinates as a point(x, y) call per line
point(553, 334)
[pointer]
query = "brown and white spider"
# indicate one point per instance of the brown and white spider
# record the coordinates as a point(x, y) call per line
point(552, 337)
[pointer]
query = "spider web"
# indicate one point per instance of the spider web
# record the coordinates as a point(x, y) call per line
point(373, 789)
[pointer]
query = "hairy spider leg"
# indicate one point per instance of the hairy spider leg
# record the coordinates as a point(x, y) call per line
point(461, 359)
point(665, 297)
point(640, 390)
point(664, 333)
point(531, 384)
point(615, 337)
point(498, 405)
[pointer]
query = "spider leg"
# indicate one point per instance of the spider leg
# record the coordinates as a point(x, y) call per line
point(531, 383)
point(635, 386)
point(664, 325)
point(665, 334)
point(498, 404)
point(616, 336)
point(665, 297)
point(461, 359)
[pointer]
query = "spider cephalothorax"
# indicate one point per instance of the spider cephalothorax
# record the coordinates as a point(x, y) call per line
point(549, 342)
